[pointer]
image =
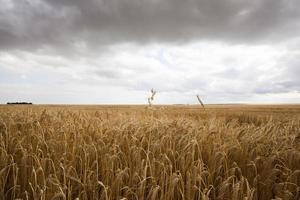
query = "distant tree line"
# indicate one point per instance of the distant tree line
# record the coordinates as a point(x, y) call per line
point(27, 103)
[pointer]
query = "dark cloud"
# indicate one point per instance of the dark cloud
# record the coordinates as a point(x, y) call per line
point(61, 23)
point(26, 24)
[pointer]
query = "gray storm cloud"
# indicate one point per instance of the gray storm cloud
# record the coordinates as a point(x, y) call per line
point(37, 23)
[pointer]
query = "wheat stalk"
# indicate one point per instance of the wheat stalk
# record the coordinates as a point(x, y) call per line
point(199, 100)
point(151, 98)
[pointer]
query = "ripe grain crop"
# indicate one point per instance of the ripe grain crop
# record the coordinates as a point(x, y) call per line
point(129, 152)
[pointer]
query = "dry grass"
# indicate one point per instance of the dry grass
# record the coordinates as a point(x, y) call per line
point(129, 152)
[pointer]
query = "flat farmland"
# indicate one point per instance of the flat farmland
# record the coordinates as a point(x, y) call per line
point(159, 152)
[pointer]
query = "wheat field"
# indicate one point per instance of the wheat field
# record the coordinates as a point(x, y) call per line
point(162, 152)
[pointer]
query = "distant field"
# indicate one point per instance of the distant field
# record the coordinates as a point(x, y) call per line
point(160, 152)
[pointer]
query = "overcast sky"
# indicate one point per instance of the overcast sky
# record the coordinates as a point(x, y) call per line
point(115, 51)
